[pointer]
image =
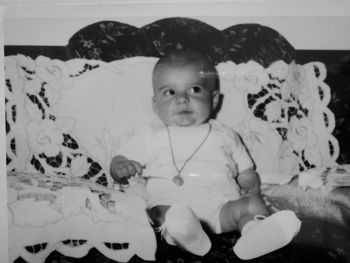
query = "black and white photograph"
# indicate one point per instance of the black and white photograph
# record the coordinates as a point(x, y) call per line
point(175, 131)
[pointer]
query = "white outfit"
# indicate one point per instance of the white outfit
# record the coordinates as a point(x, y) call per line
point(209, 181)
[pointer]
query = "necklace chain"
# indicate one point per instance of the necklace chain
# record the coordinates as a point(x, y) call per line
point(178, 179)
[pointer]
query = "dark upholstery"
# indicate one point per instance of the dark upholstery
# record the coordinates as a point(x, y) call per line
point(110, 40)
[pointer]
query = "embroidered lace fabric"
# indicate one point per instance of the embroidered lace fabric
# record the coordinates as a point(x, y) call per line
point(70, 215)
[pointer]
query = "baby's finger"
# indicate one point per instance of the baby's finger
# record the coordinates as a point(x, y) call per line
point(138, 167)
point(131, 170)
point(243, 191)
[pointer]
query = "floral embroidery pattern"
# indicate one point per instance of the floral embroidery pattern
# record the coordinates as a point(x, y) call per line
point(38, 139)
point(290, 100)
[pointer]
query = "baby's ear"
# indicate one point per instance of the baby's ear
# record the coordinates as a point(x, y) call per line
point(216, 98)
point(154, 101)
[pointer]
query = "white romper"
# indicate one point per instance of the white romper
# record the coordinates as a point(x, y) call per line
point(209, 180)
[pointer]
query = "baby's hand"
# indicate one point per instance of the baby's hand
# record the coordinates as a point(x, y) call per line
point(122, 169)
point(249, 183)
point(250, 190)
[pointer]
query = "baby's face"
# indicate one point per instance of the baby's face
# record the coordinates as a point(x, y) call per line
point(183, 96)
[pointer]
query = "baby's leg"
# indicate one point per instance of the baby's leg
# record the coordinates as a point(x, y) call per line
point(259, 234)
point(157, 215)
point(237, 213)
point(180, 226)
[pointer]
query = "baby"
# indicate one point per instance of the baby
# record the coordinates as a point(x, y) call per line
point(199, 174)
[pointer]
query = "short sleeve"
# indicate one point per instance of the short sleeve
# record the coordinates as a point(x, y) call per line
point(233, 146)
point(241, 155)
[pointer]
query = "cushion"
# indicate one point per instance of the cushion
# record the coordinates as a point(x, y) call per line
point(71, 117)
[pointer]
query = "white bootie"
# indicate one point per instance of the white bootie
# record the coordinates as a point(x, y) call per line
point(267, 235)
point(183, 228)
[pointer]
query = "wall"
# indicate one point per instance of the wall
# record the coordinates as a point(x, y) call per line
point(306, 24)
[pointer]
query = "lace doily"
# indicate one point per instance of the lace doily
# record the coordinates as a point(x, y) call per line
point(39, 140)
point(283, 119)
point(71, 216)
point(55, 201)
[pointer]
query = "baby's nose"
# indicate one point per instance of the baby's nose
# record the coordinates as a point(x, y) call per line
point(182, 98)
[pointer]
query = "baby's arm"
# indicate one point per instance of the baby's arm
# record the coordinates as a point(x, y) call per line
point(121, 168)
point(249, 182)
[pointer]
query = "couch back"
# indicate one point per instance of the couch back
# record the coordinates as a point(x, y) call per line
point(71, 117)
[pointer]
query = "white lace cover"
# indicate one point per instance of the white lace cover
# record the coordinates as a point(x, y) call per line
point(51, 205)
point(69, 118)
point(281, 113)
point(71, 216)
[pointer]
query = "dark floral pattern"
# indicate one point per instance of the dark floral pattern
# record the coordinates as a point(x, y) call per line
point(256, 42)
point(110, 40)
point(186, 34)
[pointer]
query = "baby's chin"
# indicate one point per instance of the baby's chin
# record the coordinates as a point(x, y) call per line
point(185, 122)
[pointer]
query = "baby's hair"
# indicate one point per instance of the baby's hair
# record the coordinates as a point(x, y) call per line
point(181, 58)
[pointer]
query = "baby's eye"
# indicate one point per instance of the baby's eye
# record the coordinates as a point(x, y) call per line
point(169, 92)
point(196, 89)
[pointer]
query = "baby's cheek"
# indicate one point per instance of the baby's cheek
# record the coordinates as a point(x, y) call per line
point(164, 116)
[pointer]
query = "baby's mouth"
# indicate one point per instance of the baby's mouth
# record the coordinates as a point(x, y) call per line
point(184, 112)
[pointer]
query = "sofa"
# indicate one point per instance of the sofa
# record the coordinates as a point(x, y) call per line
point(69, 109)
